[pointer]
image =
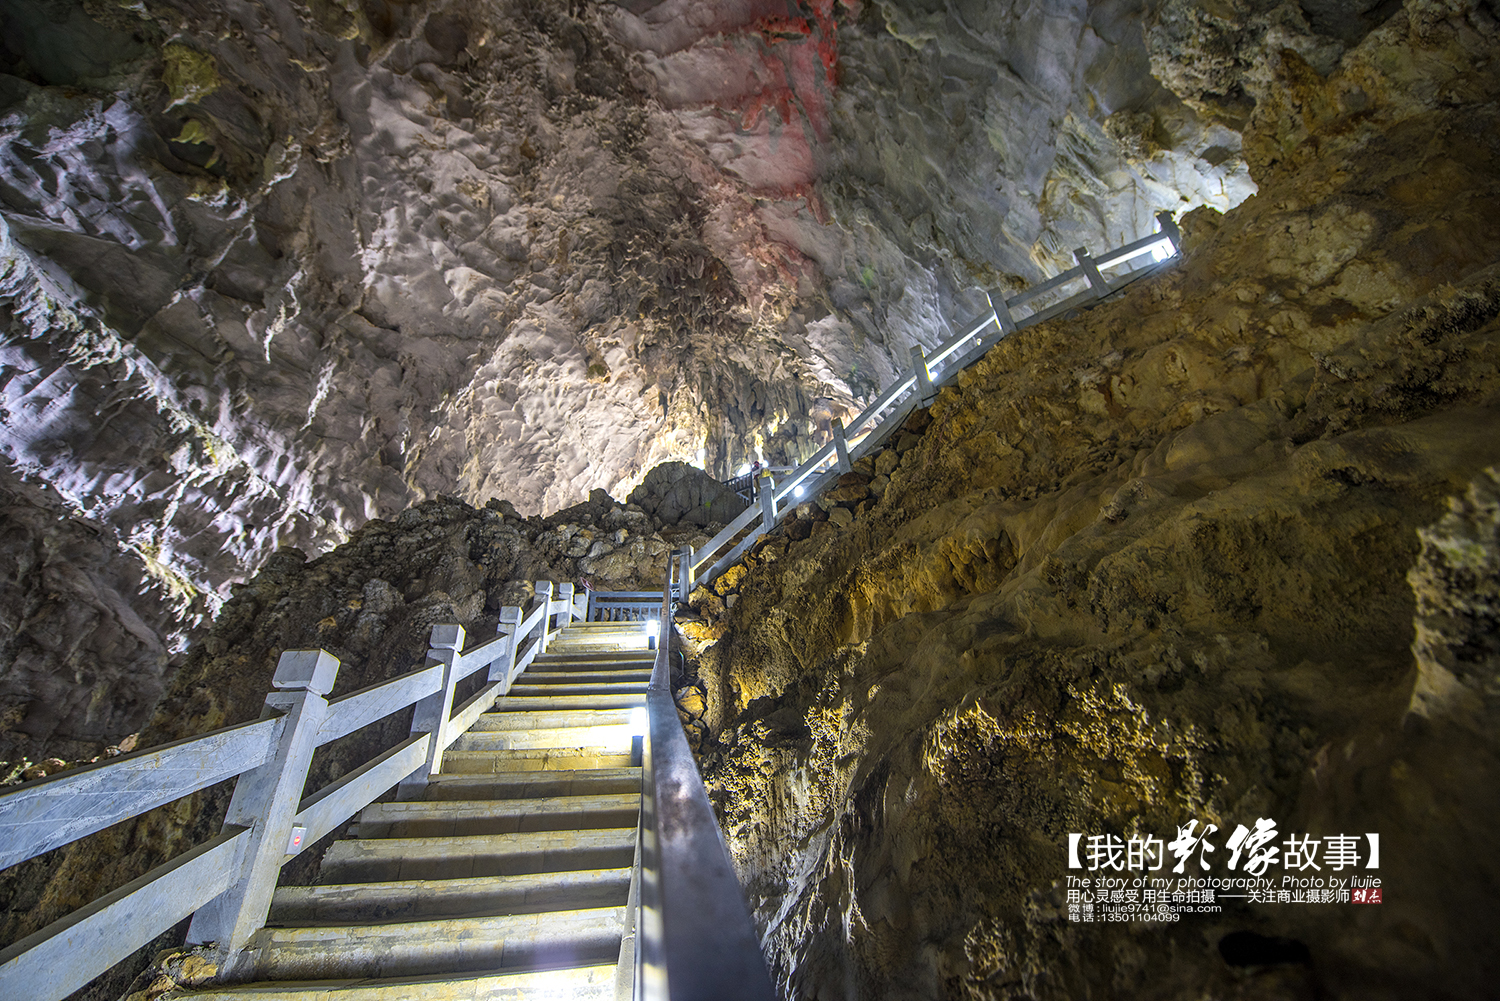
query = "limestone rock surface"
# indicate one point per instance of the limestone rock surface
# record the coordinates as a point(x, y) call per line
point(675, 492)
point(1220, 549)
point(269, 270)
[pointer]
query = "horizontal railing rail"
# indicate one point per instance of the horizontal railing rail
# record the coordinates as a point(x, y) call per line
point(226, 883)
point(62, 808)
point(917, 388)
point(622, 606)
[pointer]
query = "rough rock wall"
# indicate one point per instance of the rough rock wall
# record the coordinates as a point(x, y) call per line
point(1182, 557)
point(90, 640)
point(371, 602)
point(271, 269)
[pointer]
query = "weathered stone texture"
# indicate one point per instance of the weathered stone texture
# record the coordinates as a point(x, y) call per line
point(1169, 560)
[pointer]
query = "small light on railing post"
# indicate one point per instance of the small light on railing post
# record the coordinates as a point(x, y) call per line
point(653, 632)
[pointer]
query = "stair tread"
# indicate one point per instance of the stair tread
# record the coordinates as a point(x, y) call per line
point(612, 736)
point(411, 948)
point(581, 688)
point(517, 759)
point(464, 855)
point(457, 784)
point(523, 719)
point(462, 843)
point(452, 817)
point(389, 812)
point(397, 900)
point(584, 983)
point(581, 677)
point(554, 700)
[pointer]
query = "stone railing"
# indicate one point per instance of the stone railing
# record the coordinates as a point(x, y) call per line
point(227, 882)
point(880, 419)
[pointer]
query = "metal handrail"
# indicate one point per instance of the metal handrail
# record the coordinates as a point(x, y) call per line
point(693, 934)
point(929, 372)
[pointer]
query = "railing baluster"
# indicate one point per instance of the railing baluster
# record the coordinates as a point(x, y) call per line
point(431, 714)
point(925, 391)
point(767, 501)
point(544, 596)
point(842, 446)
point(509, 625)
point(1003, 319)
point(265, 801)
point(1091, 272)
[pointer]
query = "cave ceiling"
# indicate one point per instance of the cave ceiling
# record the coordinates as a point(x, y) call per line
point(272, 269)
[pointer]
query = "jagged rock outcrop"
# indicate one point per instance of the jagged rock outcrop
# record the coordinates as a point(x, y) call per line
point(1183, 557)
point(676, 493)
point(89, 638)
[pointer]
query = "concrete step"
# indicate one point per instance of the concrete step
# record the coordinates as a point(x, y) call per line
point(535, 759)
point(534, 785)
point(631, 633)
point(632, 638)
point(622, 650)
point(343, 903)
point(576, 677)
point(361, 860)
point(524, 688)
point(616, 737)
point(577, 663)
point(447, 818)
point(633, 653)
point(582, 937)
point(524, 719)
point(550, 699)
point(586, 983)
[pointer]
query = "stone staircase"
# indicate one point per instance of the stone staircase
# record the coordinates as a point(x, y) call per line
point(509, 877)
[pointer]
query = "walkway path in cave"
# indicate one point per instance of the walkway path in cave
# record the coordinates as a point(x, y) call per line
point(509, 878)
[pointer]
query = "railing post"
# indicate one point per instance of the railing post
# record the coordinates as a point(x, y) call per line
point(685, 574)
point(565, 599)
point(509, 625)
point(1091, 272)
point(431, 713)
point(1170, 231)
point(767, 501)
point(925, 391)
point(1003, 319)
point(265, 801)
point(840, 445)
point(544, 595)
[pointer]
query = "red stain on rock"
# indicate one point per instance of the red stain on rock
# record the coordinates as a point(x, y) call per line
point(752, 84)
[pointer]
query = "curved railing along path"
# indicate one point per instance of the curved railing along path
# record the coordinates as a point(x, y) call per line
point(880, 419)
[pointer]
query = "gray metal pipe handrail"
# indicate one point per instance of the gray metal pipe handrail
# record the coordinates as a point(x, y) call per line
point(928, 373)
point(695, 940)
